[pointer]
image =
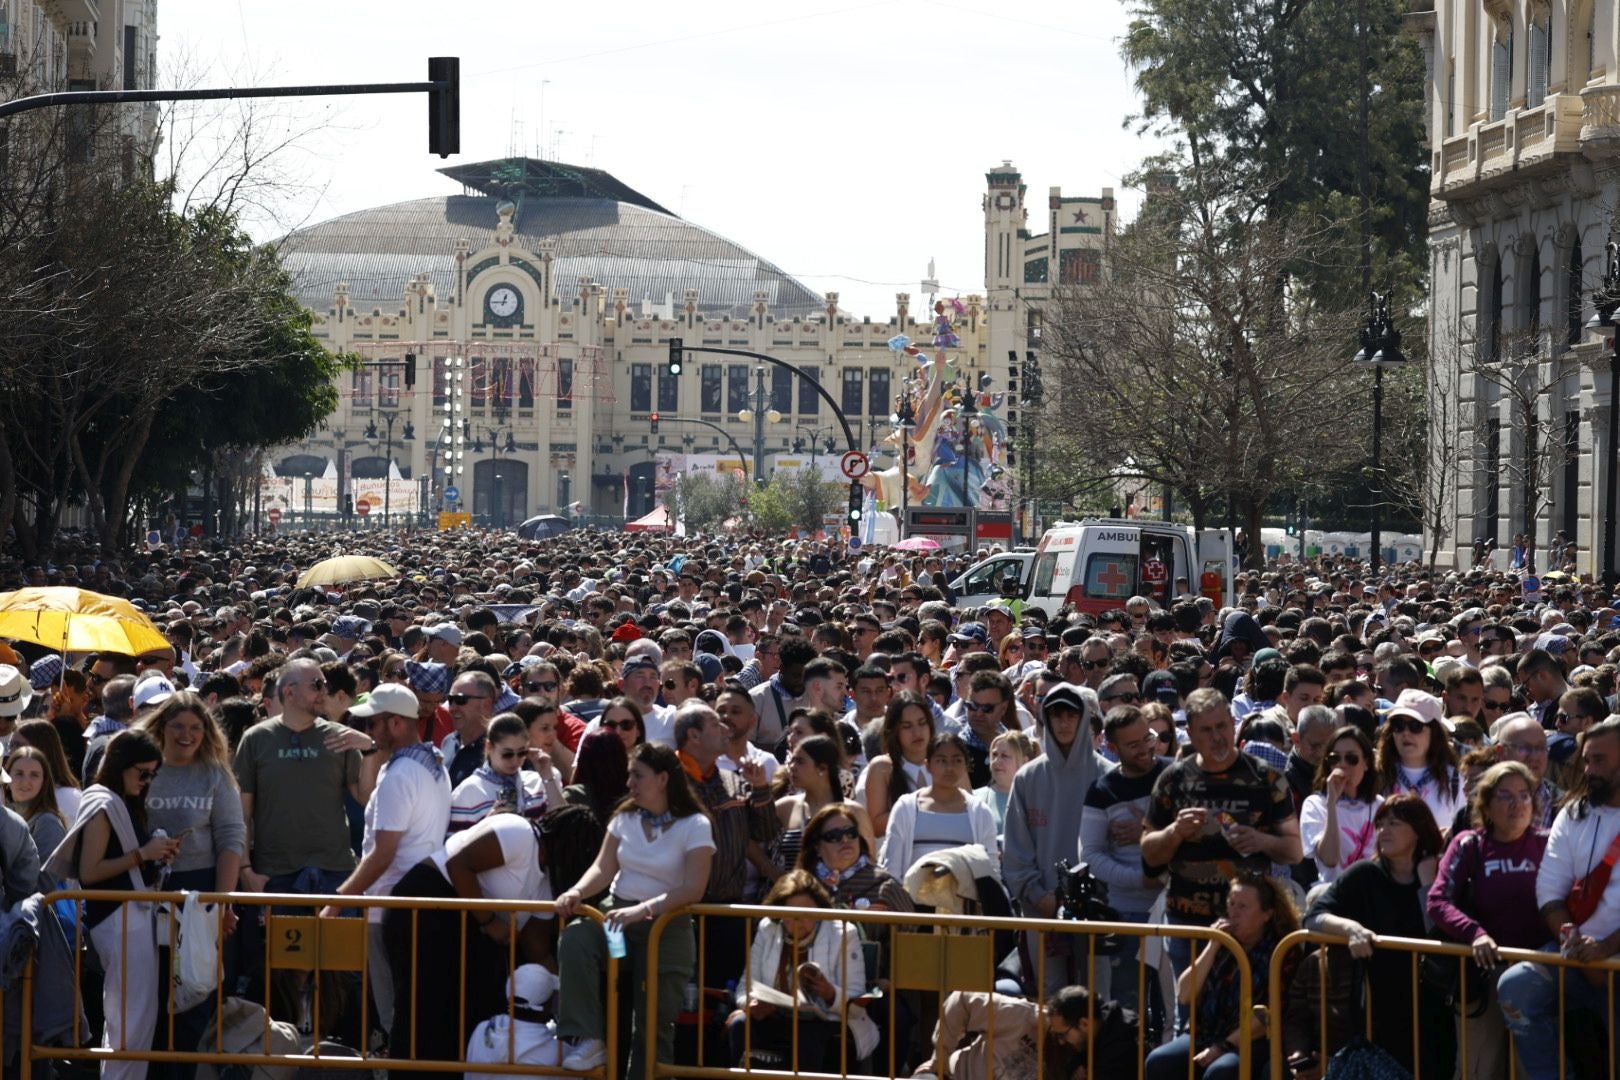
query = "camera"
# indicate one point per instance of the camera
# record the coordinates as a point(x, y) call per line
point(1083, 898)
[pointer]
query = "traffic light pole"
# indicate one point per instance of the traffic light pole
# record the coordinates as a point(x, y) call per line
point(678, 346)
point(443, 90)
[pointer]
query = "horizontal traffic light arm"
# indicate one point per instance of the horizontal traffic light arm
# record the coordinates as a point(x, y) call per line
point(826, 396)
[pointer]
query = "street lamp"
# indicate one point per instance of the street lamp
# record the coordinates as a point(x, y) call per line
point(1380, 347)
point(498, 511)
point(759, 414)
point(1607, 300)
point(388, 416)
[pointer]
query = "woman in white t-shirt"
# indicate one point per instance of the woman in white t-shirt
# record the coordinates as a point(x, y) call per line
point(655, 858)
point(1336, 820)
point(502, 857)
point(1415, 756)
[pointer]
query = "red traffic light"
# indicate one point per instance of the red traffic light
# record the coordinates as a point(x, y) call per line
point(653, 420)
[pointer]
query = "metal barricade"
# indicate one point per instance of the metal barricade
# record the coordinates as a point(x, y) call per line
point(1416, 949)
point(311, 943)
point(930, 953)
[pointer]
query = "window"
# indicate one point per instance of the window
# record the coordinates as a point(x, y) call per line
point(880, 400)
point(640, 388)
point(1111, 575)
point(1572, 472)
point(441, 381)
point(388, 386)
point(526, 383)
point(1501, 69)
point(711, 388)
point(669, 392)
point(1078, 266)
point(809, 400)
point(1574, 324)
point(361, 386)
point(565, 384)
point(1532, 299)
point(500, 385)
point(1045, 567)
point(852, 392)
point(1491, 339)
point(782, 380)
point(1492, 478)
point(736, 388)
point(478, 381)
point(1032, 328)
point(1535, 91)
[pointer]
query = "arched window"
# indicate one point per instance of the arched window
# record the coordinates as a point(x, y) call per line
point(1573, 321)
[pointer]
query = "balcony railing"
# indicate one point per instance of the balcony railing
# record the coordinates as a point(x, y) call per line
point(1526, 140)
point(1600, 113)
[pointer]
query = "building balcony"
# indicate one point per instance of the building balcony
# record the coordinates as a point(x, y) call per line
point(63, 12)
point(1524, 143)
point(1600, 117)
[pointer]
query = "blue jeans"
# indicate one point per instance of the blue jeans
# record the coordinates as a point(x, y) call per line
point(1169, 1062)
point(1178, 951)
point(1119, 980)
point(1528, 995)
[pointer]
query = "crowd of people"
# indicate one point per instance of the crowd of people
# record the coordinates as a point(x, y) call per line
point(643, 723)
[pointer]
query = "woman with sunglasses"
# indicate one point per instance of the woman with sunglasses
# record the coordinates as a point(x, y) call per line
point(501, 785)
point(1010, 653)
point(623, 717)
point(110, 847)
point(1336, 819)
point(1486, 912)
point(838, 851)
point(1415, 755)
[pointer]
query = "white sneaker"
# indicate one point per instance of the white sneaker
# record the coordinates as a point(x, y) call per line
point(584, 1054)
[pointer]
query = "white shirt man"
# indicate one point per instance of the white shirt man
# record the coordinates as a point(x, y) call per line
point(406, 817)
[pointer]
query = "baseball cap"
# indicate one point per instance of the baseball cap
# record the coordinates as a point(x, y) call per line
point(152, 690)
point(971, 631)
point(444, 632)
point(351, 627)
point(634, 663)
point(392, 698)
point(427, 676)
point(1065, 695)
point(531, 986)
point(45, 671)
point(1420, 706)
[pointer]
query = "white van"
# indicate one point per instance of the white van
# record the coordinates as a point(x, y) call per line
point(1098, 563)
point(1005, 575)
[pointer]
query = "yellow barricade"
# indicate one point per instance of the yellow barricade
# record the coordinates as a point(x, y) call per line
point(1324, 1044)
point(935, 954)
point(311, 944)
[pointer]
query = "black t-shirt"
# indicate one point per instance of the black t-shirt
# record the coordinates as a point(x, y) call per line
point(1114, 787)
point(1249, 792)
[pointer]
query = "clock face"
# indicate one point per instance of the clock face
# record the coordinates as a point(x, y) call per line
point(503, 301)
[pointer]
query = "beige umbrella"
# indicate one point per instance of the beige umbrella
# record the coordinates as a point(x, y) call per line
point(342, 569)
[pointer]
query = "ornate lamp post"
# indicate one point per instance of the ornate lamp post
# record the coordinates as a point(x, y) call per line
point(1380, 347)
point(759, 414)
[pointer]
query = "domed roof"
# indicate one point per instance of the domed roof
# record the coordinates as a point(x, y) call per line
point(604, 231)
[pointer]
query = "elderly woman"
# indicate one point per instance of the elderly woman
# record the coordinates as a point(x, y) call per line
point(816, 959)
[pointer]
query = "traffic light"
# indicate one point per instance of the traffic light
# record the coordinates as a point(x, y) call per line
point(855, 501)
point(673, 365)
point(444, 106)
point(653, 420)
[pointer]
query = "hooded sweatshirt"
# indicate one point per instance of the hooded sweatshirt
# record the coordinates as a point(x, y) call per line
point(1043, 815)
point(1239, 626)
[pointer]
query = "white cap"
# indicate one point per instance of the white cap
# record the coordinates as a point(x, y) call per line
point(531, 986)
point(153, 689)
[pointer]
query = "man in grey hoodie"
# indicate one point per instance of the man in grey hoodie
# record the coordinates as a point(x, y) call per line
point(1043, 824)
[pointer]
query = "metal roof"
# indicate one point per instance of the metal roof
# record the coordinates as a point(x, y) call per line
point(624, 242)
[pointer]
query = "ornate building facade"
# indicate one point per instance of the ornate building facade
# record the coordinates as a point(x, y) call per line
point(1524, 121)
point(514, 341)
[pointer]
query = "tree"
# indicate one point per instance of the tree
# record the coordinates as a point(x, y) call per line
point(1261, 91)
point(708, 499)
point(1197, 362)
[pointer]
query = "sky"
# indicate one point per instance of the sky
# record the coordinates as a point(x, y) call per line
point(845, 142)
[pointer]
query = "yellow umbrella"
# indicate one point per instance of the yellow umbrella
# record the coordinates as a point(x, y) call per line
point(345, 568)
point(78, 620)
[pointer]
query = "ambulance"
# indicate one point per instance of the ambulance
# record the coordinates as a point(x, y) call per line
point(1096, 564)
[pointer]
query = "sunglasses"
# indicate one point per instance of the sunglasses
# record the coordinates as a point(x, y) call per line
point(1129, 699)
point(1497, 706)
point(622, 725)
point(318, 684)
point(1166, 737)
point(1095, 665)
point(838, 836)
point(462, 699)
point(671, 684)
point(1349, 757)
point(974, 706)
point(1406, 724)
point(540, 687)
point(145, 775)
point(508, 755)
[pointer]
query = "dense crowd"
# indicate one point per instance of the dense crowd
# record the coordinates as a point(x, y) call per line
point(642, 723)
